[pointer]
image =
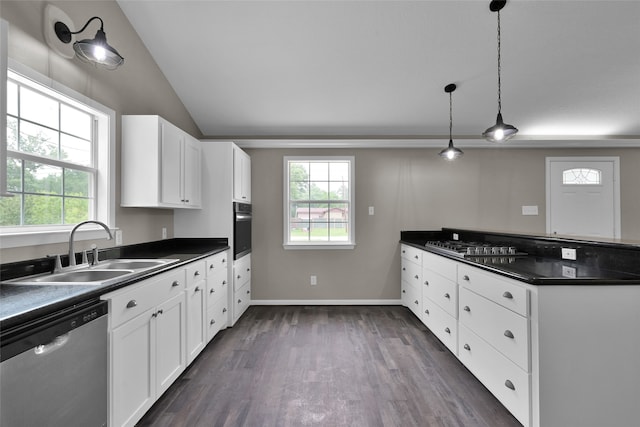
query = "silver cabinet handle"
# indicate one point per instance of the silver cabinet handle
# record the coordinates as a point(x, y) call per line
point(466, 347)
point(426, 312)
point(404, 269)
point(197, 273)
point(465, 278)
point(211, 267)
point(160, 311)
point(224, 310)
point(197, 289)
point(224, 260)
point(175, 283)
point(416, 302)
point(154, 315)
point(508, 334)
point(447, 330)
point(507, 295)
point(212, 291)
point(239, 301)
point(212, 322)
point(248, 292)
point(248, 269)
point(224, 282)
point(132, 303)
point(509, 384)
point(416, 277)
point(404, 291)
point(416, 257)
point(447, 296)
point(466, 308)
point(426, 282)
point(238, 276)
point(404, 252)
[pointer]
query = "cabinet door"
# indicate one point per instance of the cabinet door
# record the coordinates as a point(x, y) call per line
point(133, 369)
point(191, 175)
point(170, 342)
point(195, 320)
point(241, 176)
point(171, 171)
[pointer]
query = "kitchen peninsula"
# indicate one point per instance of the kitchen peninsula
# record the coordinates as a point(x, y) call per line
point(547, 324)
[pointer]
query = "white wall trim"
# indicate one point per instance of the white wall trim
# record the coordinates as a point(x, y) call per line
point(326, 302)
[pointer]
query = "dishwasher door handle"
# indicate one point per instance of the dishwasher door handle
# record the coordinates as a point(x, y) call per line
point(58, 342)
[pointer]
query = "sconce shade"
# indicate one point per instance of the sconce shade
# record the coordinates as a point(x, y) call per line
point(94, 51)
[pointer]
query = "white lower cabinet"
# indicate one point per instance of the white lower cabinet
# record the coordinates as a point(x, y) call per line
point(147, 344)
point(241, 286)
point(216, 294)
point(196, 311)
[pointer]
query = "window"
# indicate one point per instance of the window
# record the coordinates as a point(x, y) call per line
point(581, 176)
point(318, 202)
point(59, 159)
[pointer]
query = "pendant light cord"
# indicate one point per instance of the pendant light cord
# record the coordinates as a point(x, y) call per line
point(499, 69)
point(450, 117)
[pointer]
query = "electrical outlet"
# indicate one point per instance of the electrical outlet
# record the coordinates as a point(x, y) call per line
point(313, 280)
point(164, 232)
point(118, 237)
point(530, 210)
point(371, 210)
point(455, 236)
point(568, 253)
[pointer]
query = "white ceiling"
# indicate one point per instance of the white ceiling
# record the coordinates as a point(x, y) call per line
point(377, 69)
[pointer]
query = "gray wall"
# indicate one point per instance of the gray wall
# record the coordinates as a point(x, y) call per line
point(138, 87)
point(411, 189)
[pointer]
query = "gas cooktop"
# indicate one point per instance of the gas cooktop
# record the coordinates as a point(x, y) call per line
point(474, 249)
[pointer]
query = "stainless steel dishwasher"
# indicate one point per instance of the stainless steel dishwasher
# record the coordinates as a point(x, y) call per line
point(54, 370)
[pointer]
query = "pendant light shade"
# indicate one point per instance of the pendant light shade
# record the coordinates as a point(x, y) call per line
point(94, 51)
point(451, 152)
point(500, 132)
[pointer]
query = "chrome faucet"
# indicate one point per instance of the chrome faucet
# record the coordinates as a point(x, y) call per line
point(72, 252)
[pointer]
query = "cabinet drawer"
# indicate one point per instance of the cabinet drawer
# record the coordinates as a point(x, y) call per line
point(441, 265)
point(216, 318)
point(410, 253)
point(509, 383)
point(505, 330)
point(497, 289)
point(217, 264)
point(242, 300)
point(216, 287)
point(242, 272)
point(411, 272)
point(442, 291)
point(130, 302)
point(443, 325)
point(196, 271)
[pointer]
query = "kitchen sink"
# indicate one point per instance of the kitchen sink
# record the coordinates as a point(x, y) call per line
point(106, 272)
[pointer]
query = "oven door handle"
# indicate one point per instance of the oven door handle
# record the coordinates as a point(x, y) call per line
point(243, 217)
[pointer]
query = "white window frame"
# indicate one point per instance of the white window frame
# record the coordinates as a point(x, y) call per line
point(105, 163)
point(350, 244)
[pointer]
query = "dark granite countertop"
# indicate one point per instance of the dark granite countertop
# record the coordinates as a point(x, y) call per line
point(598, 263)
point(22, 304)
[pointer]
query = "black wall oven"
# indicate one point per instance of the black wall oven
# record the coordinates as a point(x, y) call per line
point(241, 229)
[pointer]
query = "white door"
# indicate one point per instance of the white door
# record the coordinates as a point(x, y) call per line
point(583, 196)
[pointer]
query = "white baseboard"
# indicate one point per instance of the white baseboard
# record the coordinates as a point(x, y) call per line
point(327, 302)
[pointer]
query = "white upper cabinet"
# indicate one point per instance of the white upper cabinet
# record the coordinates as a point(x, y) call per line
point(160, 164)
point(241, 176)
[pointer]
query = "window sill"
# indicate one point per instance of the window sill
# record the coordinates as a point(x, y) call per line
point(21, 239)
point(307, 246)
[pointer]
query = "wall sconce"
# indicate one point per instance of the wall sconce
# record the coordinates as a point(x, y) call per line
point(94, 51)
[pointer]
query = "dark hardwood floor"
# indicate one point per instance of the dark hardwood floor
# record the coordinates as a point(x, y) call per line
point(327, 366)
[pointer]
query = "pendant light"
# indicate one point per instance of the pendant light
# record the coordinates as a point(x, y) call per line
point(95, 51)
point(500, 132)
point(451, 152)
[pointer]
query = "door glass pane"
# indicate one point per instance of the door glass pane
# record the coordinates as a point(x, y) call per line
point(582, 176)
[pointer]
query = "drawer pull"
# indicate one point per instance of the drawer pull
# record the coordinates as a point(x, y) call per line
point(416, 277)
point(426, 282)
point(416, 257)
point(508, 334)
point(466, 347)
point(248, 269)
point(509, 384)
point(404, 269)
point(212, 291)
point(212, 322)
point(238, 277)
point(466, 308)
point(426, 312)
point(447, 330)
point(416, 302)
point(224, 310)
point(224, 260)
point(465, 278)
point(211, 267)
point(404, 291)
point(132, 303)
point(175, 283)
point(197, 273)
point(197, 289)
point(239, 301)
point(248, 292)
point(224, 282)
point(154, 315)
point(507, 295)
point(447, 296)
point(160, 311)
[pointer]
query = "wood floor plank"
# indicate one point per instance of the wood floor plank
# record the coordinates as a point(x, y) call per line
point(360, 366)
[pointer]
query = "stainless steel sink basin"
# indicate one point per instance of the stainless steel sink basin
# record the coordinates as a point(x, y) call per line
point(132, 264)
point(104, 273)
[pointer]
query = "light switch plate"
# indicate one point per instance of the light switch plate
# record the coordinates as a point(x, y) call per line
point(118, 237)
point(371, 210)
